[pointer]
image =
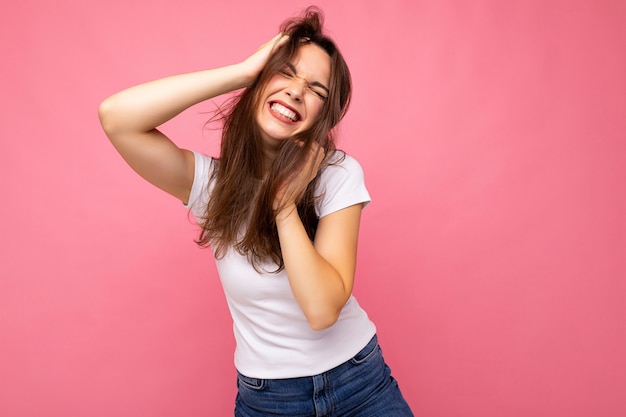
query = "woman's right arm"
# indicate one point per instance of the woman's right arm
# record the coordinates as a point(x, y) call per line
point(130, 119)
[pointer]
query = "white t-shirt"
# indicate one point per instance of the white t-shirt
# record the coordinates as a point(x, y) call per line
point(274, 339)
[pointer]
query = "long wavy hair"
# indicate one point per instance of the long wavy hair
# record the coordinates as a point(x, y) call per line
point(240, 213)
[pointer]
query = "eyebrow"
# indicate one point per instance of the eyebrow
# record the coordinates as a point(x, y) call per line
point(314, 83)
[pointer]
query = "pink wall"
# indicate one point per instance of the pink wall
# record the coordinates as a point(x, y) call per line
point(492, 259)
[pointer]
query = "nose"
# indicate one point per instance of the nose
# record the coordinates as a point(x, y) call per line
point(295, 89)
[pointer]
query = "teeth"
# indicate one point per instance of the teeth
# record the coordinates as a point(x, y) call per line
point(280, 109)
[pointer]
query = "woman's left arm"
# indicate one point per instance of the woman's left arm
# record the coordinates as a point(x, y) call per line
point(321, 274)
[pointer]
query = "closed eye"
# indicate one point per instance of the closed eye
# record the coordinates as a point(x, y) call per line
point(319, 89)
point(318, 92)
point(287, 73)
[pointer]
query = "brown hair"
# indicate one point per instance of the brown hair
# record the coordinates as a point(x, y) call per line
point(240, 212)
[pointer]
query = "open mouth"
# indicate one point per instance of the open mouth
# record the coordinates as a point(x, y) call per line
point(287, 113)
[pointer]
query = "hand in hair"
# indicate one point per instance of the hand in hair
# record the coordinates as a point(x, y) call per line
point(293, 189)
point(255, 62)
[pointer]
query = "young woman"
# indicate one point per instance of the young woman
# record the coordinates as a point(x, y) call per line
point(280, 209)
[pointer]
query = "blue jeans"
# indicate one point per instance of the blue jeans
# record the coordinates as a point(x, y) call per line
point(360, 387)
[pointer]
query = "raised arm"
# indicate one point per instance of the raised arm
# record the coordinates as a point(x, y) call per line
point(320, 273)
point(130, 118)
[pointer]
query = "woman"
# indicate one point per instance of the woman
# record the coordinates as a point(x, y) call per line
point(280, 209)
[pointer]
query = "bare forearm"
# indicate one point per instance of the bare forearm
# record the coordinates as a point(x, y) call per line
point(316, 284)
point(144, 107)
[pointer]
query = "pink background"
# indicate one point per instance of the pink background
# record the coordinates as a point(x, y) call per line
point(492, 259)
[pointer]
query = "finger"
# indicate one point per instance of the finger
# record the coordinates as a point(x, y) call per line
point(281, 38)
point(318, 151)
point(277, 40)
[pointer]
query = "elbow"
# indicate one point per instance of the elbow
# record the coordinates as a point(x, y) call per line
point(322, 321)
point(322, 314)
point(105, 111)
point(109, 116)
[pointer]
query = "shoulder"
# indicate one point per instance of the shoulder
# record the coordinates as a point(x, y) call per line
point(341, 184)
point(204, 163)
point(341, 165)
point(203, 171)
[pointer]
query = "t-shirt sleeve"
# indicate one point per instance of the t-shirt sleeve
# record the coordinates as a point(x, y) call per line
point(198, 198)
point(342, 184)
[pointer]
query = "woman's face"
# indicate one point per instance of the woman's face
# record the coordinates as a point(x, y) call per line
point(292, 100)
